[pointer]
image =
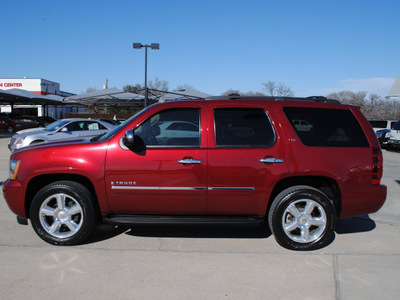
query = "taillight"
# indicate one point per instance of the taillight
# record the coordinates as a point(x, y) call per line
point(377, 166)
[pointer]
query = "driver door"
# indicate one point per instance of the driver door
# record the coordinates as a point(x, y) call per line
point(167, 174)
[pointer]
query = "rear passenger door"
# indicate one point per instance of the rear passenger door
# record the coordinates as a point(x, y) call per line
point(245, 158)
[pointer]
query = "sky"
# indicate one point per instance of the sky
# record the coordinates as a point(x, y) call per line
point(314, 47)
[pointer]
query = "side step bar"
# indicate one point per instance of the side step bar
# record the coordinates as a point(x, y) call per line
point(123, 219)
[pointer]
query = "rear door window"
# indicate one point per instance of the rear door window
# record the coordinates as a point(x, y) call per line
point(326, 127)
point(243, 127)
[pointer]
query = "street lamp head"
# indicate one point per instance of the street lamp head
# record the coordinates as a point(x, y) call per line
point(155, 46)
point(137, 45)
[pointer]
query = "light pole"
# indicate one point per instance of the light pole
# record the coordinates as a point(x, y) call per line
point(154, 46)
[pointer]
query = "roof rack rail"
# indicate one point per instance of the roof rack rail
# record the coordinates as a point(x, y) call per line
point(238, 96)
point(230, 96)
point(323, 99)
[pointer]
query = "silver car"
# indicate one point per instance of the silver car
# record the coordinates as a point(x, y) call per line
point(59, 130)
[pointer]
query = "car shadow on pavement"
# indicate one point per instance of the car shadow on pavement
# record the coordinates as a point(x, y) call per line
point(354, 225)
point(234, 232)
point(104, 232)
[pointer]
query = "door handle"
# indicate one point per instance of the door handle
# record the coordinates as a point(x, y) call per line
point(271, 160)
point(189, 161)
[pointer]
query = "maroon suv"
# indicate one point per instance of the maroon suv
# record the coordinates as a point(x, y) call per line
point(296, 163)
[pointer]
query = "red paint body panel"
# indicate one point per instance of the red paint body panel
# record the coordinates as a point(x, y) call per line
point(76, 157)
point(15, 193)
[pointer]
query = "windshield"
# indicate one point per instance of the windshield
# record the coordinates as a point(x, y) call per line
point(396, 126)
point(116, 129)
point(56, 125)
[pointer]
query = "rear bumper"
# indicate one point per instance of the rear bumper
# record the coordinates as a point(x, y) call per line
point(14, 195)
point(362, 200)
point(395, 143)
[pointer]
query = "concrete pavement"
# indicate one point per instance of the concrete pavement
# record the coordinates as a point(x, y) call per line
point(205, 263)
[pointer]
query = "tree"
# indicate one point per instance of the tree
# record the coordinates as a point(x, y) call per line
point(137, 88)
point(249, 93)
point(185, 87)
point(277, 89)
point(373, 107)
point(91, 89)
point(156, 84)
point(230, 92)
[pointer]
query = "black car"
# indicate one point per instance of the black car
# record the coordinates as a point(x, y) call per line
point(30, 121)
point(383, 137)
point(6, 124)
point(47, 119)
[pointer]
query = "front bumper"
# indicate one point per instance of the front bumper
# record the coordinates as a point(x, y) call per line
point(14, 194)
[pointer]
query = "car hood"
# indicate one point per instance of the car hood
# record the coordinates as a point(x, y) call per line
point(81, 140)
point(30, 131)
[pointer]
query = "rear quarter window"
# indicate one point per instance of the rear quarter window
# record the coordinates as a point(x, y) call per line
point(326, 127)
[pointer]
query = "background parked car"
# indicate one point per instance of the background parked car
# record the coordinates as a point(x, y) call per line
point(113, 121)
point(378, 125)
point(394, 136)
point(47, 119)
point(8, 125)
point(383, 137)
point(30, 121)
point(59, 130)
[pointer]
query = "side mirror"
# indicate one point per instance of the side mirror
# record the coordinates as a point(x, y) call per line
point(64, 129)
point(128, 138)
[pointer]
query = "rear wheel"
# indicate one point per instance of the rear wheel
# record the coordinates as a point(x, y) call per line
point(63, 213)
point(302, 218)
point(10, 129)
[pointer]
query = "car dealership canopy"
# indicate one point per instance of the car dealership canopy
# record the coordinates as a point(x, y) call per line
point(116, 97)
point(19, 96)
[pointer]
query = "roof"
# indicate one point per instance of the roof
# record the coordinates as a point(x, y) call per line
point(394, 92)
point(107, 96)
point(19, 96)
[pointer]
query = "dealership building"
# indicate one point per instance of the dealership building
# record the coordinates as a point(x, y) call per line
point(41, 87)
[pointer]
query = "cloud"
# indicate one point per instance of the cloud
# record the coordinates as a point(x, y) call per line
point(376, 85)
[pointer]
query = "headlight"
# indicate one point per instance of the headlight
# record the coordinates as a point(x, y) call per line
point(14, 166)
point(20, 140)
point(387, 135)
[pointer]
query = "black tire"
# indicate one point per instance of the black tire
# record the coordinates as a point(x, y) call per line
point(10, 129)
point(63, 213)
point(36, 142)
point(302, 218)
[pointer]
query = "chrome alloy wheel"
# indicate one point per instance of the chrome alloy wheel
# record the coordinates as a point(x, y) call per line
point(304, 221)
point(61, 216)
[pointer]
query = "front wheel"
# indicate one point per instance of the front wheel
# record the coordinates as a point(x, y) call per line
point(63, 213)
point(302, 218)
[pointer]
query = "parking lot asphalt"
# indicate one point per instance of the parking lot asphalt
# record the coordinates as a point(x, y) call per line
point(363, 262)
